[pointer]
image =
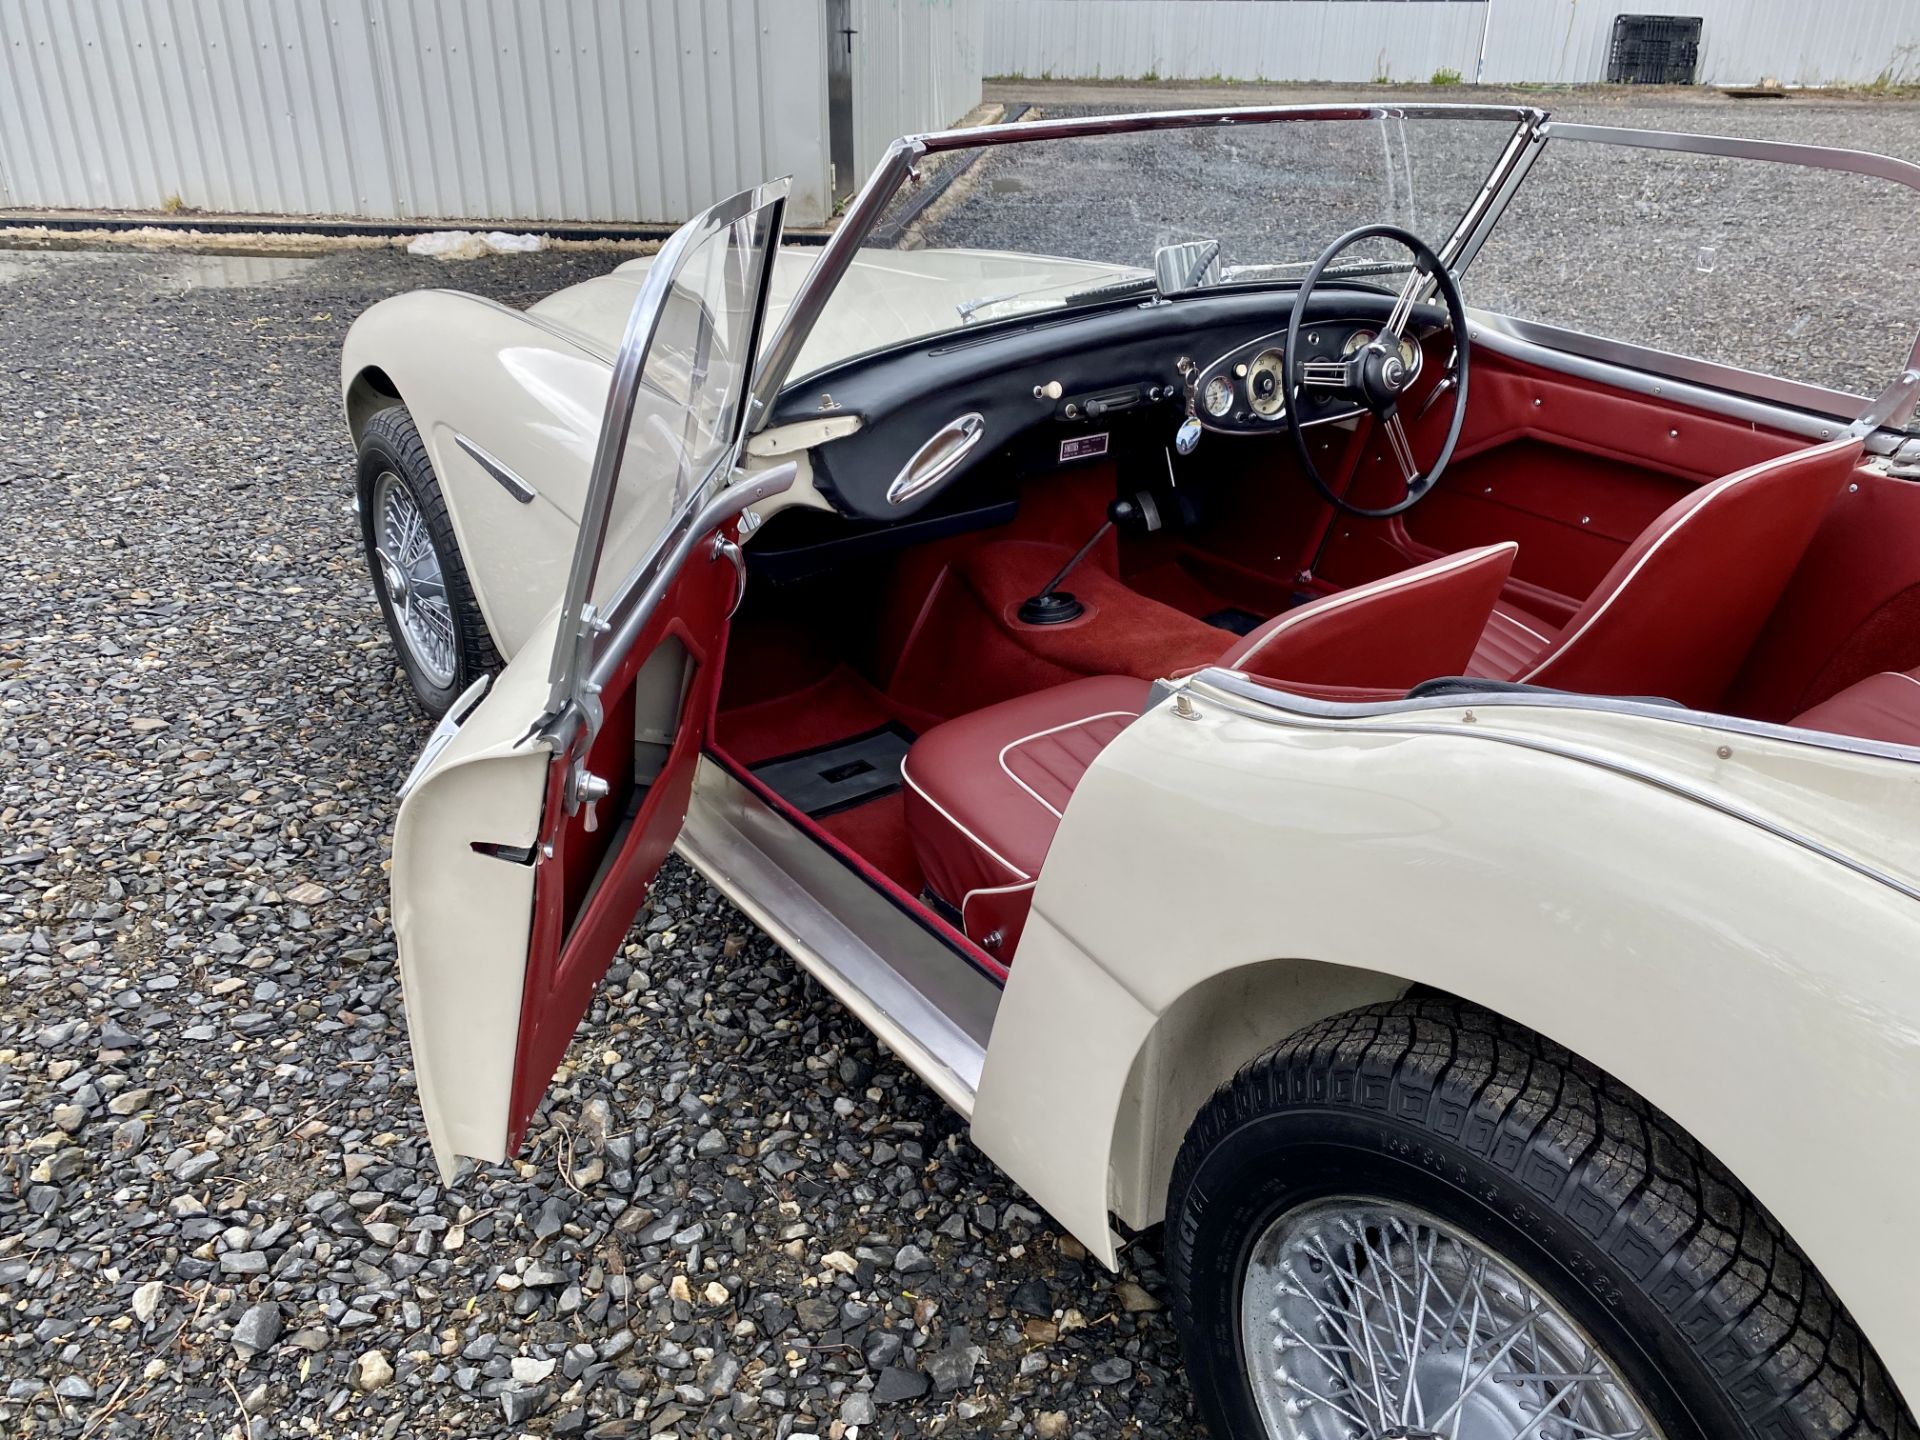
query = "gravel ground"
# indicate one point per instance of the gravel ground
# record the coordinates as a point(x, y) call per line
point(217, 1213)
point(736, 1216)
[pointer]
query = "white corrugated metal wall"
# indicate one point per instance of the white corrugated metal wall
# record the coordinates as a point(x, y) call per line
point(1797, 42)
point(1231, 39)
point(579, 110)
point(916, 59)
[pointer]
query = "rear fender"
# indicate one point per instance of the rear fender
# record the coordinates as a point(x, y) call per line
point(1611, 896)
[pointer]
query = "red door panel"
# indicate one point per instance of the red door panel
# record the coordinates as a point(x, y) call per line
point(1570, 469)
point(587, 893)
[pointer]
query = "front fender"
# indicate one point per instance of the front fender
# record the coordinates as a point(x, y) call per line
point(523, 392)
point(1761, 992)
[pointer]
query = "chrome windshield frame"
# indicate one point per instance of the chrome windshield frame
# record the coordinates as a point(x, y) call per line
point(1534, 131)
point(868, 206)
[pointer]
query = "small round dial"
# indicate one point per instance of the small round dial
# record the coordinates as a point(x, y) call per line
point(1263, 384)
point(1218, 396)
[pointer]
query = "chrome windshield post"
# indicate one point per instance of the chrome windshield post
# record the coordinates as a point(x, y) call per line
point(835, 256)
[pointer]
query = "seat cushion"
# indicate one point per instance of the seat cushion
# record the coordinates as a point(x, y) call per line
point(1881, 707)
point(985, 792)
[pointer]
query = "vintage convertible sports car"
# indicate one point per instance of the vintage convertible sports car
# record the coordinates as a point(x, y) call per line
point(1357, 701)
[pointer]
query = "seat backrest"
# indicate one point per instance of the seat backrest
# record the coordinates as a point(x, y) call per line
point(1680, 610)
point(1387, 634)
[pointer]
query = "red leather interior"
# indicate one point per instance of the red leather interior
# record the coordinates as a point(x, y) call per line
point(1572, 470)
point(1881, 707)
point(1390, 633)
point(1678, 612)
point(985, 792)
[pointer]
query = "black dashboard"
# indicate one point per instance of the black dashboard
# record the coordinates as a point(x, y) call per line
point(1056, 388)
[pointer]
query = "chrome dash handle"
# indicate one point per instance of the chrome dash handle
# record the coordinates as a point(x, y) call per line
point(938, 458)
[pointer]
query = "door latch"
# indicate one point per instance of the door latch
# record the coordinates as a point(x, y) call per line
point(586, 789)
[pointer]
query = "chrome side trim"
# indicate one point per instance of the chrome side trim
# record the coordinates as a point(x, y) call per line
point(1818, 414)
point(510, 482)
point(1243, 687)
point(1580, 755)
point(933, 1009)
point(1837, 403)
point(444, 732)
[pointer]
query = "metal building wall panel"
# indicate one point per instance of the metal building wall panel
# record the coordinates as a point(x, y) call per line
point(1332, 40)
point(917, 67)
point(583, 110)
point(1836, 42)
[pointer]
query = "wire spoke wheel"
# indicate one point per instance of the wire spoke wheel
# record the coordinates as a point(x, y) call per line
point(1372, 1320)
point(411, 573)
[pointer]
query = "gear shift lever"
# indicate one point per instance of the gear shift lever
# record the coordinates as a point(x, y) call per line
point(1054, 606)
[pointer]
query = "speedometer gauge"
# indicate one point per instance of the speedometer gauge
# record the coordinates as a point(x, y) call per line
point(1218, 396)
point(1263, 384)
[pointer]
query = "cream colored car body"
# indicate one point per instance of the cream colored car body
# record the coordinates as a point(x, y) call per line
point(1724, 916)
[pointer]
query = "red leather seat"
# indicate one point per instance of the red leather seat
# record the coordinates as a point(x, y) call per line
point(1681, 609)
point(1881, 707)
point(1389, 634)
point(986, 791)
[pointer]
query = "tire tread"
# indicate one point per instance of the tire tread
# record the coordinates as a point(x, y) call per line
point(1789, 1360)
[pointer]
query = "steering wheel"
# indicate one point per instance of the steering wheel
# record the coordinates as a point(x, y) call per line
point(1376, 376)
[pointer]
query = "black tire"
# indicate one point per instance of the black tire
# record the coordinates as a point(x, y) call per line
point(1693, 1291)
point(391, 444)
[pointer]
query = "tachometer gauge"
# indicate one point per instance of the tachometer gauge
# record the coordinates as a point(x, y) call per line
point(1263, 384)
point(1218, 396)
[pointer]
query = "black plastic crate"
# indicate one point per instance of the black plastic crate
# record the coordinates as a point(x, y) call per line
point(1654, 50)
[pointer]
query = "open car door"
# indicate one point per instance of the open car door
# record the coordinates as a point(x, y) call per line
point(537, 816)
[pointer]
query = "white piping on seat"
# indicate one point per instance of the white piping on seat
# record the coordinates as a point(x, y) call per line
point(1054, 730)
point(991, 890)
point(1901, 675)
point(947, 815)
point(1371, 590)
point(1706, 497)
point(1499, 614)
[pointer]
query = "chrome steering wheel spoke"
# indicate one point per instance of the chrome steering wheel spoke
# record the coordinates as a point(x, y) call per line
point(1402, 448)
point(1330, 374)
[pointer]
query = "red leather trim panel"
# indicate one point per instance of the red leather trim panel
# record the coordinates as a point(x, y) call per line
point(1571, 470)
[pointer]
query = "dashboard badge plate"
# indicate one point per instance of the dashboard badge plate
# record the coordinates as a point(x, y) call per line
point(1083, 447)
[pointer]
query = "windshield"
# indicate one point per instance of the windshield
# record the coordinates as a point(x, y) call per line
point(982, 233)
